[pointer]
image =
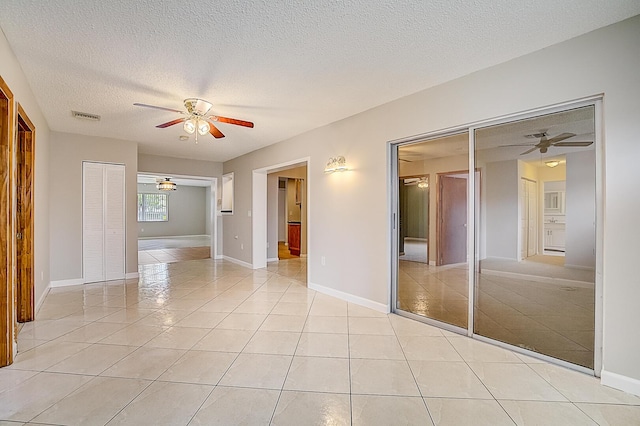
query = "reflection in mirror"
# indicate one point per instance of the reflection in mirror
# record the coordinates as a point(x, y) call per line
point(433, 272)
point(535, 274)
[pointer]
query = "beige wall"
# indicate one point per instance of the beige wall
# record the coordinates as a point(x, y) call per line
point(68, 151)
point(349, 217)
point(13, 76)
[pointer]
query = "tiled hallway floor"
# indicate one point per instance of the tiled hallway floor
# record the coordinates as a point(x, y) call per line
point(173, 249)
point(209, 342)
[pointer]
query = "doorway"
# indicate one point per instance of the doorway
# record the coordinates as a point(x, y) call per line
point(528, 218)
point(184, 226)
point(265, 194)
point(25, 156)
point(539, 192)
point(452, 218)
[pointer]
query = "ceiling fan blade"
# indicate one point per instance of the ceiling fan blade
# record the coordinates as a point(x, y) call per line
point(230, 121)
point(170, 123)
point(215, 132)
point(157, 107)
point(586, 143)
point(517, 144)
point(529, 150)
point(560, 137)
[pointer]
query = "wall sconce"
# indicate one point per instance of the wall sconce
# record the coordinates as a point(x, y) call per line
point(552, 163)
point(336, 164)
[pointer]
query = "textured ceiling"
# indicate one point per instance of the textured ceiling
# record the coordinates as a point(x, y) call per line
point(288, 66)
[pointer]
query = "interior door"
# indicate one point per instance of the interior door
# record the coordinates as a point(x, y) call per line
point(452, 238)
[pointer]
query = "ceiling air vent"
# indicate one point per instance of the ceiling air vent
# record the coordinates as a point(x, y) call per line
point(85, 116)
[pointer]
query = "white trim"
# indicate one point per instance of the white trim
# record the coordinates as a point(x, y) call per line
point(618, 381)
point(40, 301)
point(538, 278)
point(173, 236)
point(131, 275)
point(238, 262)
point(66, 283)
point(219, 257)
point(376, 306)
point(273, 259)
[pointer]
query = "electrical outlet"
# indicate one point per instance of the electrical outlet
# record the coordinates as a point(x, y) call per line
point(322, 261)
point(249, 213)
point(241, 246)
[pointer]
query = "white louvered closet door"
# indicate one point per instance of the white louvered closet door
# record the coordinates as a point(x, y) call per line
point(114, 222)
point(103, 247)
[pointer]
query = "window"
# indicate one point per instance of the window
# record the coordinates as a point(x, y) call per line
point(153, 208)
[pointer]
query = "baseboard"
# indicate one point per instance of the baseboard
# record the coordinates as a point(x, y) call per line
point(219, 257)
point(272, 259)
point(303, 256)
point(583, 268)
point(537, 278)
point(173, 236)
point(131, 275)
point(66, 283)
point(42, 298)
point(238, 262)
point(376, 306)
point(618, 381)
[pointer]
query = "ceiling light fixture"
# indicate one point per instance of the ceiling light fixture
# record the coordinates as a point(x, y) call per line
point(552, 163)
point(423, 183)
point(189, 126)
point(166, 185)
point(336, 164)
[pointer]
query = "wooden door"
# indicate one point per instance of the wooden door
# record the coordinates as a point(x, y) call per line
point(24, 218)
point(452, 218)
point(7, 227)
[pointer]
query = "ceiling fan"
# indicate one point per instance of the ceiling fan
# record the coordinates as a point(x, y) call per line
point(196, 120)
point(545, 142)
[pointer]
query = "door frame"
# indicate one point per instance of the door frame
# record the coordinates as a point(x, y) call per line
point(472, 212)
point(25, 290)
point(8, 326)
point(259, 235)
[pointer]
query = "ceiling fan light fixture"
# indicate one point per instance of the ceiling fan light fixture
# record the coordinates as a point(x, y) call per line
point(166, 185)
point(203, 127)
point(423, 183)
point(552, 163)
point(189, 126)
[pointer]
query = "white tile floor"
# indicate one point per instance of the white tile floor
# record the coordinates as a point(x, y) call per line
point(208, 342)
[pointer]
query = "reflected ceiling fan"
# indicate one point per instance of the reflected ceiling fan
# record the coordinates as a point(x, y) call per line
point(195, 118)
point(545, 142)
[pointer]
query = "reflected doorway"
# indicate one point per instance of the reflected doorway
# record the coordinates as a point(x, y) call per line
point(433, 278)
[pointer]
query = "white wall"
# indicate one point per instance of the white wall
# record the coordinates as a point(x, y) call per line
point(68, 151)
point(580, 243)
point(350, 214)
point(187, 212)
point(11, 72)
point(501, 201)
